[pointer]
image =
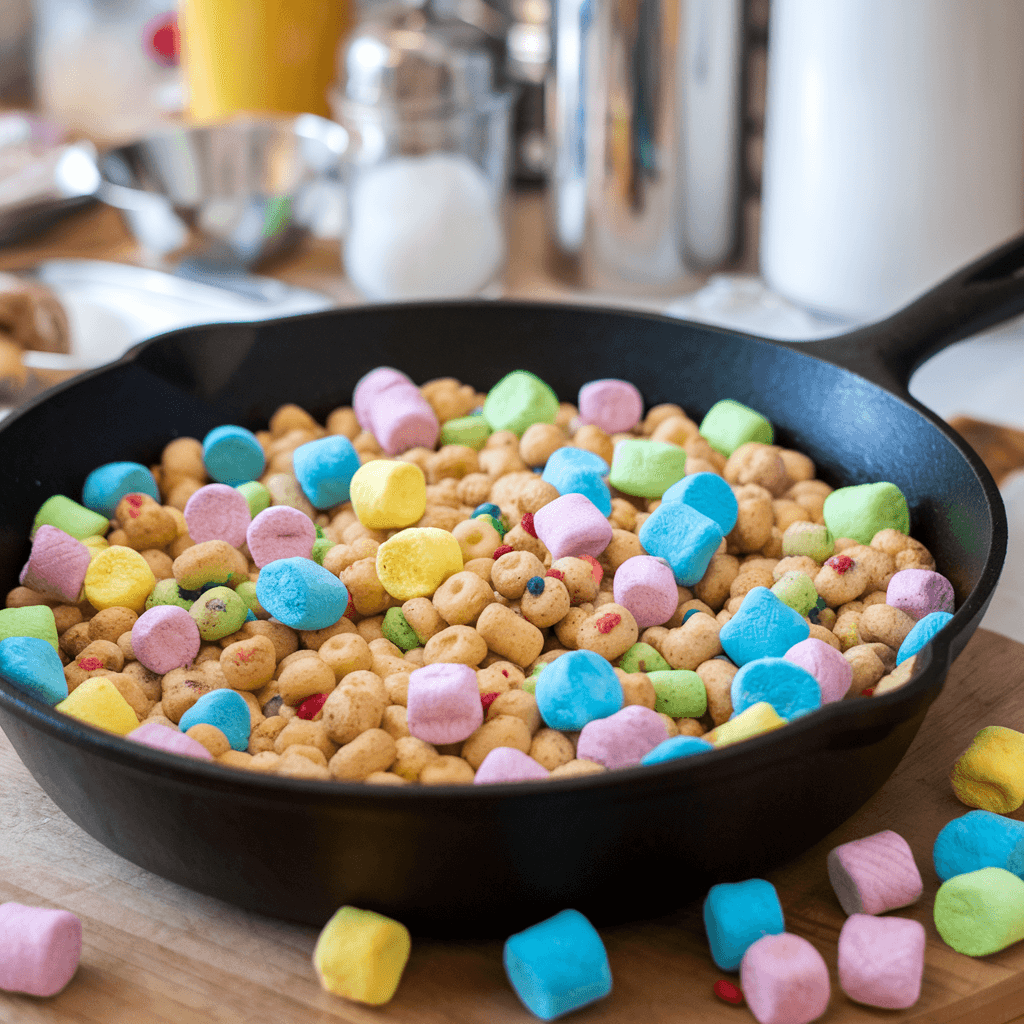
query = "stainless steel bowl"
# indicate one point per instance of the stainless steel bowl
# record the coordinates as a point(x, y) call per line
point(229, 194)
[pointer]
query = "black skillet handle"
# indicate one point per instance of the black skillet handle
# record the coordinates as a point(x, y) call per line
point(887, 352)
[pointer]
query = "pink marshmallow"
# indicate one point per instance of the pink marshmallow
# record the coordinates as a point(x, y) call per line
point(280, 532)
point(572, 525)
point(507, 764)
point(39, 949)
point(881, 960)
point(165, 637)
point(784, 980)
point(875, 874)
point(613, 405)
point(919, 592)
point(162, 737)
point(390, 406)
point(444, 703)
point(56, 565)
point(646, 586)
point(218, 512)
point(833, 672)
point(622, 739)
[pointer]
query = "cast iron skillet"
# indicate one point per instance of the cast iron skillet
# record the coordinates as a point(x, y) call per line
point(493, 859)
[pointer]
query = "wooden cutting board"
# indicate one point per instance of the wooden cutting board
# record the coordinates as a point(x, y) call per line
point(156, 953)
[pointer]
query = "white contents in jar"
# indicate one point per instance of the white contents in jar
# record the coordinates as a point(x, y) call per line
point(423, 227)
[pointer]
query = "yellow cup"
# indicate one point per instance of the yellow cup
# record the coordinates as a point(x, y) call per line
point(259, 55)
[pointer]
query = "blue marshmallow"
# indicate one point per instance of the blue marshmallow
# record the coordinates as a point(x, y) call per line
point(324, 469)
point(225, 710)
point(790, 689)
point(301, 594)
point(710, 495)
point(736, 915)
point(232, 455)
point(764, 627)
point(923, 631)
point(677, 746)
point(577, 688)
point(106, 486)
point(577, 471)
point(684, 537)
point(32, 665)
point(976, 840)
point(558, 966)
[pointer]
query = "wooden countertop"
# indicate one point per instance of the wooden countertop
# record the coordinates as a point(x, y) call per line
point(156, 953)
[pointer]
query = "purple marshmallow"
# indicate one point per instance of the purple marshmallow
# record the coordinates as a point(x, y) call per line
point(507, 764)
point(647, 587)
point(444, 703)
point(56, 565)
point(833, 672)
point(280, 532)
point(622, 739)
point(919, 592)
point(572, 525)
point(161, 737)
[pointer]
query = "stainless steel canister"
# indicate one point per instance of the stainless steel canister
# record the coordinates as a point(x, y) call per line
point(646, 125)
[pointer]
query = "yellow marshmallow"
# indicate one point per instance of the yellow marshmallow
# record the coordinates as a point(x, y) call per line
point(118, 577)
point(989, 774)
point(756, 719)
point(415, 562)
point(388, 494)
point(361, 955)
point(95, 543)
point(98, 702)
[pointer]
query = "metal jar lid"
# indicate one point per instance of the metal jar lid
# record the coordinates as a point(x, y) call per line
point(410, 57)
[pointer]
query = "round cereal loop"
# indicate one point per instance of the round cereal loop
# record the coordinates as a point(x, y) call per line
point(512, 571)
point(371, 751)
point(457, 644)
point(477, 539)
point(510, 636)
point(350, 710)
point(248, 664)
point(501, 731)
point(461, 599)
point(118, 577)
point(610, 631)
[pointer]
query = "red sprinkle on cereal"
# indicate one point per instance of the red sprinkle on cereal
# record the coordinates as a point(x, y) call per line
point(350, 612)
point(527, 524)
point(487, 699)
point(555, 574)
point(503, 550)
point(311, 706)
point(90, 664)
point(728, 992)
point(840, 563)
point(134, 502)
point(867, 692)
point(608, 622)
point(595, 566)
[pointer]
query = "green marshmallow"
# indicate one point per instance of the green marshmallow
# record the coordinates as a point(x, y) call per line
point(246, 590)
point(36, 620)
point(256, 494)
point(320, 548)
point(472, 431)
point(643, 658)
point(397, 629)
point(645, 468)
point(167, 592)
point(498, 525)
point(810, 539)
point(980, 912)
point(218, 612)
point(728, 424)
point(859, 512)
point(67, 515)
point(519, 400)
point(680, 693)
point(529, 684)
point(797, 590)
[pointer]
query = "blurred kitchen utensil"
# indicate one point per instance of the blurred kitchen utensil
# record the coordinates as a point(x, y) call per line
point(213, 202)
point(894, 146)
point(645, 133)
point(41, 180)
point(427, 110)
